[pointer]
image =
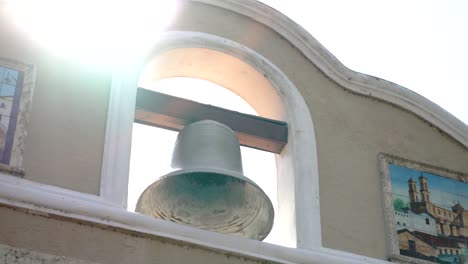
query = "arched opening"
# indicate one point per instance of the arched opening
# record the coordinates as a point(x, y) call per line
point(220, 68)
point(223, 80)
point(258, 82)
point(152, 145)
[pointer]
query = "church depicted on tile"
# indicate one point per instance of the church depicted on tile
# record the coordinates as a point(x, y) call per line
point(449, 222)
point(430, 231)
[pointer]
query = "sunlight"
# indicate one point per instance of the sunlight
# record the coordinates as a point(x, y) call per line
point(92, 30)
point(152, 147)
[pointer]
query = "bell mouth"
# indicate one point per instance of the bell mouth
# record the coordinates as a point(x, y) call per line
point(210, 199)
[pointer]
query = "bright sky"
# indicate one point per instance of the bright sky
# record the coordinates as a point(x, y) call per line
point(419, 44)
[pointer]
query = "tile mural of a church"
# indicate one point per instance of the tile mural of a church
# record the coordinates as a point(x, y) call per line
point(431, 215)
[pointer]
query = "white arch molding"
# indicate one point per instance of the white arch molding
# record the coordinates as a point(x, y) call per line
point(355, 82)
point(297, 172)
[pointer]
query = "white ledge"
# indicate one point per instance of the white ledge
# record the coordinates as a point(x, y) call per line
point(52, 200)
point(354, 81)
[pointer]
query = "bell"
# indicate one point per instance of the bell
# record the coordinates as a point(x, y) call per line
point(209, 190)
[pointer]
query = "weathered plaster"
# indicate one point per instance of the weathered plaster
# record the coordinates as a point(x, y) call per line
point(79, 217)
point(350, 128)
point(356, 82)
point(13, 255)
point(301, 228)
point(64, 141)
point(78, 239)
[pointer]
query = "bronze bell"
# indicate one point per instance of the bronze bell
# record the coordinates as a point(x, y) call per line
point(209, 190)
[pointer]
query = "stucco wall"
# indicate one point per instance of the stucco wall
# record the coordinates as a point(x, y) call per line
point(350, 131)
point(13, 255)
point(66, 132)
point(79, 240)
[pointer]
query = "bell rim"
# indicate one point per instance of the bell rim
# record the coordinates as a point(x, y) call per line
point(267, 229)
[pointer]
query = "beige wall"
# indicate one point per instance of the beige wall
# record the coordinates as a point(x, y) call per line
point(66, 132)
point(98, 244)
point(350, 131)
point(14, 255)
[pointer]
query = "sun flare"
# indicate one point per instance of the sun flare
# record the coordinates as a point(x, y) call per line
point(93, 30)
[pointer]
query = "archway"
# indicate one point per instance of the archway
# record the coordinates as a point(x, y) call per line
point(248, 74)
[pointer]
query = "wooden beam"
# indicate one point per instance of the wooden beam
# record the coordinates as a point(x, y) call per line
point(165, 111)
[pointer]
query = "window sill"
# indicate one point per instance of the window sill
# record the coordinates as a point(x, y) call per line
point(51, 200)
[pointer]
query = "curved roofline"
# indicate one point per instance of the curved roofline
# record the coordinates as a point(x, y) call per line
point(356, 82)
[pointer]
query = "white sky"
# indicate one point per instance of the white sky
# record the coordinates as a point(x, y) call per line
point(419, 44)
